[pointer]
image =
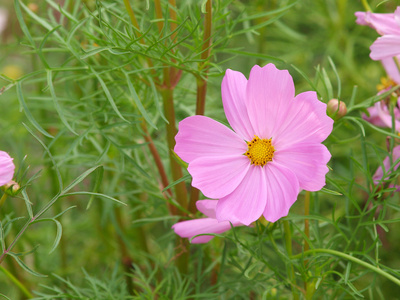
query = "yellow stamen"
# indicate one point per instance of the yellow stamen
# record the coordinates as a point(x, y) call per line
point(260, 151)
point(386, 83)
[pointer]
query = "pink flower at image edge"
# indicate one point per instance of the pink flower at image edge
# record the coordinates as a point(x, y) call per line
point(191, 228)
point(378, 176)
point(385, 25)
point(388, 26)
point(6, 168)
point(274, 151)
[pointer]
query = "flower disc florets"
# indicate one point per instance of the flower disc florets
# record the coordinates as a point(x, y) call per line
point(260, 151)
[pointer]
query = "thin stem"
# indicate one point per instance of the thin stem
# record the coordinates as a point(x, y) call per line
point(157, 5)
point(306, 231)
point(125, 257)
point(3, 199)
point(202, 85)
point(131, 14)
point(158, 162)
point(288, 244)
point(180, 188)
point(172, 14)
point(366, 5)
point(306, 220)
point(18, 283)
point(207, 33)
point(137, 27)
point(350, 258)
point(396, 61)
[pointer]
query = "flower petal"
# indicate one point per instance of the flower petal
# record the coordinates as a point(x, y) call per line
point(385, 46)
point(306, 121)
point(391, 68)
point(270, 93)
point(207, 207)
point(247, 202)
point(384, 114)
point(216, 176)
point(382, 23)
point(233, 92)
point(282, 191)
point(378, 176)
point(6, 168)
point(188, 229)
point(307, 162)
point(200, 136)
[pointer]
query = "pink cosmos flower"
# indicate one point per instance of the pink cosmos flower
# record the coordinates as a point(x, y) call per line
point(6, 168)
point(380, 115)
point(274, 151)
point(378, 176)
point(191, 228)
point(387, 25)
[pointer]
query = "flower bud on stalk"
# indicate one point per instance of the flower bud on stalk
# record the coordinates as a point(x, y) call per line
point(336, 109)
point(11, 188)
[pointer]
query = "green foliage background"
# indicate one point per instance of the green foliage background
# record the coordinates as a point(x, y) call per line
point(77, 110)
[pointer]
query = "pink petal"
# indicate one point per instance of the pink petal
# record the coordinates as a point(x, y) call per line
point(207, 207)
point(391, 68)
point(282, 191)
point(374, 117)
point(306, 121)
point(200, 136)
point(397, 18)
point(307, 162)
point(382, 23)
point(216, 176)
point(385, 46)
point(3, 19)
point(247, 202)
point(6, 168)
point(188, 229)
point(378, 176)
point(233, 92)
point(270, 93)
point(383, 113)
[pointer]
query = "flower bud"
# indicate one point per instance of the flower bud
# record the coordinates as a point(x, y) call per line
point(12, 71)
point(336, 109)
point(11, 188)
point(33, 7)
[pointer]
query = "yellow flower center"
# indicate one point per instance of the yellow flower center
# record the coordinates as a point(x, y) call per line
point(386, 83)
point(260, 151)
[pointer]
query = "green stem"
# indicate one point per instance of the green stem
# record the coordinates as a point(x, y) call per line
point(17, 282)
point(306, 220)
point(180, 188)
point(125, 256)
point(3, 199)
point(159, 16)
point(350, 258)
point(396, 61)
point(202, 86)
point(131, 14)
point(366, 5)
point(288, 244)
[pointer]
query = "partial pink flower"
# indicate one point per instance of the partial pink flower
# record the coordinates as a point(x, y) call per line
point(387, 25)
point(380, 115)
point(6, 168)
point(274, 151)
point(191, 228)
point(379, 174)
point(382, 23)
point(3, 19)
